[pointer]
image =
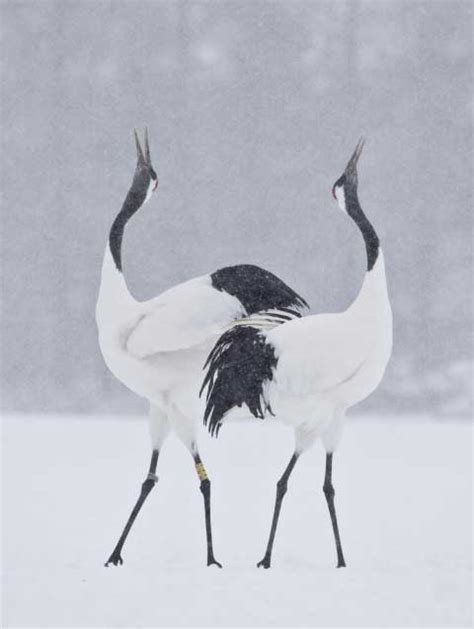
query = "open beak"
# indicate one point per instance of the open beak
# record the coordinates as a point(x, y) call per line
point(351, 168)
point(143, 158)
point(140, 157)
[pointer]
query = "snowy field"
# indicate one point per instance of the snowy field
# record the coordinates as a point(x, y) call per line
point(403, 494)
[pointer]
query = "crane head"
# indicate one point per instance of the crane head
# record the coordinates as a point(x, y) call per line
point(347, 182)
point(145, 181)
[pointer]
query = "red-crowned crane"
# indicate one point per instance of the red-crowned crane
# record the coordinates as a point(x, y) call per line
point(309, 371)
point(157, 348)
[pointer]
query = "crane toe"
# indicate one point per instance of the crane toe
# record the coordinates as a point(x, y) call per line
point(115, 559)
point(265, 563)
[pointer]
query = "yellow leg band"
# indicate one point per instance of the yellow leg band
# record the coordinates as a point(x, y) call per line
point(200, 469)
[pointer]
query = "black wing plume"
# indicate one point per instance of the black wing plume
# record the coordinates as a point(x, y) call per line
point(237, 368)
point(256, 288)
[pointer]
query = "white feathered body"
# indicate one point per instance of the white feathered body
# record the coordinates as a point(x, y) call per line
point(329, 362)
point(309, 370)
point(158, 348)
point(155, 346)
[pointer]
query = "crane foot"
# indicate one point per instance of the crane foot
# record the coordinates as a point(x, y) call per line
point(213, 562)
point(115, 559)
point(265, 563)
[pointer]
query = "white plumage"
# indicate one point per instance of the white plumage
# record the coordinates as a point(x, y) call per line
point(140, 340)
point(312, 370)
point(337, 358)
point(158, 348)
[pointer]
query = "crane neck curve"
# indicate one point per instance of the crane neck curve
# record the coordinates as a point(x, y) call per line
point(113, 288)
point(113, 292)
point(131, 205)
point(373, 295)
point(372, 299)
point(371, 240)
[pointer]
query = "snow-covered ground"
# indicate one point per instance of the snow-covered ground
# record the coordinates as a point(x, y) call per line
point(403, 494)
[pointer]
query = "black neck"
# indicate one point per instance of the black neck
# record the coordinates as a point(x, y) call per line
point(131, 204)
point(369, 234)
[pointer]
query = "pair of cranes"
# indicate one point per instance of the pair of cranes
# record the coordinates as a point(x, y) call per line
point(249, 330)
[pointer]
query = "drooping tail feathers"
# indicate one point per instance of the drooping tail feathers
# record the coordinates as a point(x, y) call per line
point(241, 362)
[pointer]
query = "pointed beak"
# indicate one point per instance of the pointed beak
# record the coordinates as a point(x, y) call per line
point(351, 168)
point(140, 157)
point(147, 148)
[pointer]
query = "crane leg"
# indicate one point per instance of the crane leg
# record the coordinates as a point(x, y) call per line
point(150, 481)
point(329, 493)
point(205, 488)
point(282, 486)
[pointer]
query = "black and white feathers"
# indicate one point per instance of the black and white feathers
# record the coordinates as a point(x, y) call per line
point(238, 367)
point(241, 360)
point(157, 347)
point(256, 289)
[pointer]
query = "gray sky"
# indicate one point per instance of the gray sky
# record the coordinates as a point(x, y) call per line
point(253, 110)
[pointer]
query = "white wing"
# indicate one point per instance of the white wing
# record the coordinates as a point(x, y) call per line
point(319, 352)
point(183, 317)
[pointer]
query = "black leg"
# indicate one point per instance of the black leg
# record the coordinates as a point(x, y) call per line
point(282, 486)
point(206, 493)
point(150, 481)
point(329, 493)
